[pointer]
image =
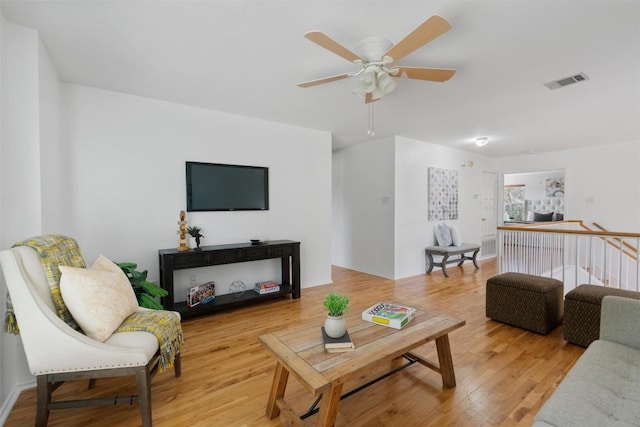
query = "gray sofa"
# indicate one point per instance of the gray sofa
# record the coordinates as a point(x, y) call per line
point(603, 387)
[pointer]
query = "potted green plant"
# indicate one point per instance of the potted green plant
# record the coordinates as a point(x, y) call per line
point(194, 231)
point(336, 304)
point(146, 292)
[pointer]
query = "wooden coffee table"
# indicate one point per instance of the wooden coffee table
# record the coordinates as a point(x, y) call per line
point(300, 352)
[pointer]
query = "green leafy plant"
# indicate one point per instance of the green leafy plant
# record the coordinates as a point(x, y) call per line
point(194, 231)
point(146, 292)
point(336, 304)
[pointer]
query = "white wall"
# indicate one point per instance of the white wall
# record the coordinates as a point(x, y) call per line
point(363, 207)
point(602, 183)
point(5, 386)
point(21, 204)
point(389, 239)
point(413, 230)
point(22, 211)
point(53, 152)
point(127, 172)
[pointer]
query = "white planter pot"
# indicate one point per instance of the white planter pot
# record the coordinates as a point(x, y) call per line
point(335, 327)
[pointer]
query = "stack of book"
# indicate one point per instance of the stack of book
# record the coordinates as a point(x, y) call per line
point(388, 314)
point(335, 345)
point(267, 287)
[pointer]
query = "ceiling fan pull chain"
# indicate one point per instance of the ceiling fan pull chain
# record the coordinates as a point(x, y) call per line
point(371, 131)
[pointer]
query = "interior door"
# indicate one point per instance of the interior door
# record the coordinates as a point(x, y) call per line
point(489, 204)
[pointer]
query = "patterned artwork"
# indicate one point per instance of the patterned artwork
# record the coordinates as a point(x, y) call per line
point(554, 187)
point(443, 194)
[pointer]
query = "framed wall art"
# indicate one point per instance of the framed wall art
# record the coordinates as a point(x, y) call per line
point(554, 187)
point(443, 194)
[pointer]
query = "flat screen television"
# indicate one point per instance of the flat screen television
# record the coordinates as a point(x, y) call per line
point(220, 187)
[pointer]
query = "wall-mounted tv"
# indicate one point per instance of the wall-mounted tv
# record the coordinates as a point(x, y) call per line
point(220, 187)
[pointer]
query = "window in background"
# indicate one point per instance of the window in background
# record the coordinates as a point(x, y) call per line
point(513, 198)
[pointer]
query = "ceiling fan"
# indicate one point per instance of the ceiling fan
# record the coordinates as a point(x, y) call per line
point(378, 58)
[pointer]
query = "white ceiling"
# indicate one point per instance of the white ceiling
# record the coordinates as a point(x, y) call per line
point(245, 57)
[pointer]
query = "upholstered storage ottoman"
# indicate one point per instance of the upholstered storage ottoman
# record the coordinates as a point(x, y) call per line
point(529, 302)
point(582, 312)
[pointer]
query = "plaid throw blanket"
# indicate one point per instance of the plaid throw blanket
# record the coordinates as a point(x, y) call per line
point(165, 325)
point(56, 250)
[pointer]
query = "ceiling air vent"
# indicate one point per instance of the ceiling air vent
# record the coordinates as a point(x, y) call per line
point(567, 81)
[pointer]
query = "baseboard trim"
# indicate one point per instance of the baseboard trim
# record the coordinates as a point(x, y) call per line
point(12, 399)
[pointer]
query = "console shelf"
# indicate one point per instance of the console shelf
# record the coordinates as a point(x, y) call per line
point(171, 259)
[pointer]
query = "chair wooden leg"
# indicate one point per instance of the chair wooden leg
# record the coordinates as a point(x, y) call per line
point(177, 365)
point(144, 396)
point(43, 398)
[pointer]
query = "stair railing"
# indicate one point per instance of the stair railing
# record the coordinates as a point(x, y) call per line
point(571, 252)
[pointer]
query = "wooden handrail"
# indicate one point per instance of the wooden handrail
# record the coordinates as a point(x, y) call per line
point(529, 228)
point(624, 243)
point(627, 244)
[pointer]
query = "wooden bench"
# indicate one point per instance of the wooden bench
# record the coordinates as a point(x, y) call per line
point(447, 251)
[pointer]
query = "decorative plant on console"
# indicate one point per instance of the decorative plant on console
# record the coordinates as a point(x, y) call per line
point(145, 291)
point(194, 231)
point(336, 304)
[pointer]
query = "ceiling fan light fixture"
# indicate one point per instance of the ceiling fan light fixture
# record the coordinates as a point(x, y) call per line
point(376, 94)
point(482, 141)
point(385, 82)
point(366, 83)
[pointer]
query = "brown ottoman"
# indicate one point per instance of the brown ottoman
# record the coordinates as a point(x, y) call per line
point(582, 312)
point(529, 302)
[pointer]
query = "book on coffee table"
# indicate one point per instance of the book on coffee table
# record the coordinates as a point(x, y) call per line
point(389, 314)
point(333, 345)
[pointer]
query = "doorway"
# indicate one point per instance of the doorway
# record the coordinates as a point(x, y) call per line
point(488, 237)
point(523, 194)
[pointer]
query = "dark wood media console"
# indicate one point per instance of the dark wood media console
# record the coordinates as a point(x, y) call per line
point(171, 259)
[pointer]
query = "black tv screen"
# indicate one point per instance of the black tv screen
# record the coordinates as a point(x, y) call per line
point(219, 187)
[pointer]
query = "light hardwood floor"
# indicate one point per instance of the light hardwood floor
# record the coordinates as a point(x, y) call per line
point(503, 373)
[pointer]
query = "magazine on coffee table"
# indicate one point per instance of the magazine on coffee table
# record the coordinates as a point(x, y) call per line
point(389, 314)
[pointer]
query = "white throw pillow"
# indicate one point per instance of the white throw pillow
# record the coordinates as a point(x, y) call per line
point(99, 298)
point(443, 235)
point(456, 237)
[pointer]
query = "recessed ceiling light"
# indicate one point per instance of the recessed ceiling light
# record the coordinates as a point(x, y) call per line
point(482, 141)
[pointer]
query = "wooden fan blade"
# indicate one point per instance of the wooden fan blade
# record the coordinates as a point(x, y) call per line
point(324, 80)
point(430, 74)
point(368, 98)
point(328, 43)
point(427, 31)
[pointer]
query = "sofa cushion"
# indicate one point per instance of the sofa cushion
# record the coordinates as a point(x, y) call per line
point(602, 389)
point(99, 298)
